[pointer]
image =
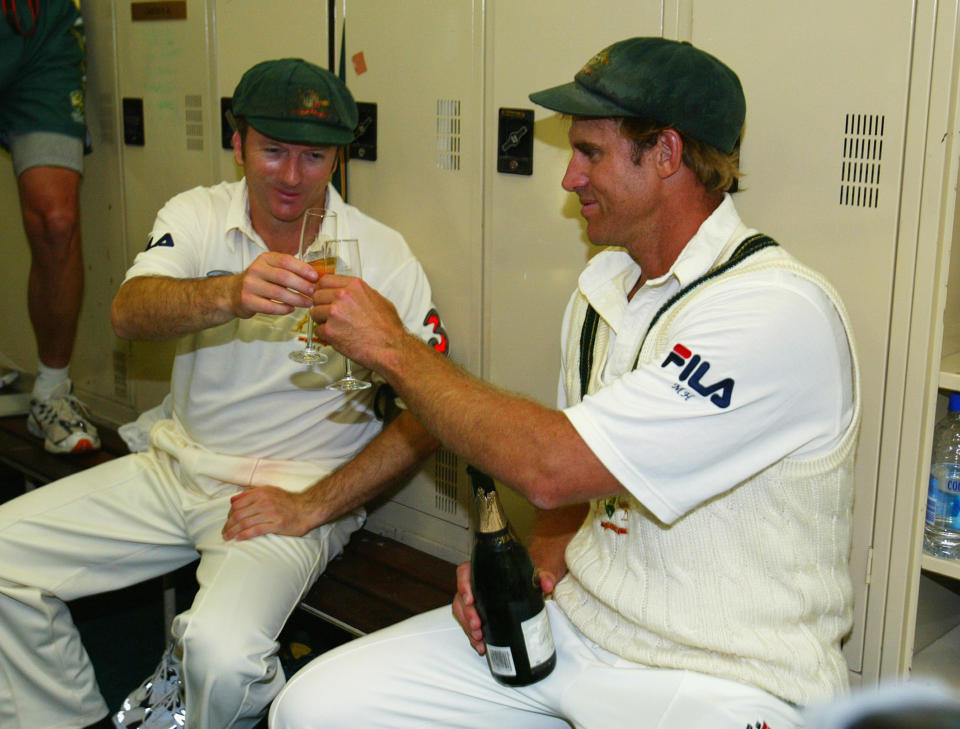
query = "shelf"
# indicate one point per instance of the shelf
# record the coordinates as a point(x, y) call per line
point(938, 661)
point(946, 567)
point(950, 372)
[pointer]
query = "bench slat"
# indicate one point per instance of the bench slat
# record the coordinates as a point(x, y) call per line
point(24, 452)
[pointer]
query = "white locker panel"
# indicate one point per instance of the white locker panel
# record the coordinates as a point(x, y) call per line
point(167, 64)
point(420, 62)
point(422, 66)
point(826, 111)
point(99, 358)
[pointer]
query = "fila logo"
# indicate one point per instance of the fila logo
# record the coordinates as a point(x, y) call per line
point(692, 371)
point(166, 241)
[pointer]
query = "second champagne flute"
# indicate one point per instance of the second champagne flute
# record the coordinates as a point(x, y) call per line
point(345, 256)
point(319, 226)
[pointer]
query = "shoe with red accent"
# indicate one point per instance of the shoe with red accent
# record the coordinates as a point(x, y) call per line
point(61, 420)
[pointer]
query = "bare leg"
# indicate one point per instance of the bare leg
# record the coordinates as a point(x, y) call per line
point(50, 205)
point(49, 202)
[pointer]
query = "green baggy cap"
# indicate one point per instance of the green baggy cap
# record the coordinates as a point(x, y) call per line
point(294, 101)
point(670, 82)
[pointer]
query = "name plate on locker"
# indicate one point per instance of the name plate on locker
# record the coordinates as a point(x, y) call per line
point(172, 10)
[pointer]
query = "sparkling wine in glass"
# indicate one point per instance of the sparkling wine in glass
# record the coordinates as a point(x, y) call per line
point(344, 253)
point(319, 226)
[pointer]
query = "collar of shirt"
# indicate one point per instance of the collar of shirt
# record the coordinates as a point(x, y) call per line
point(238, 222)
point(610, 275)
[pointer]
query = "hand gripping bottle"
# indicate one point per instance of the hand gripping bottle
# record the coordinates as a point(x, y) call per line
point(508, 597)
point(941, 533)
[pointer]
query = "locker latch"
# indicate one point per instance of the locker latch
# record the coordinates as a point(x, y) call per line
point(515, 142)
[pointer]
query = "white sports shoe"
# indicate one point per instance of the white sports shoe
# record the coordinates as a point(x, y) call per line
point(61, 420)
point(157, 703)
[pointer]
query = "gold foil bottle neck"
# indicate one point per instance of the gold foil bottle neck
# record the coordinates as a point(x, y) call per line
point(490, 515)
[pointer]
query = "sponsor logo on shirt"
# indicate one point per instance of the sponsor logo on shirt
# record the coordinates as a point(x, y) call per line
point(693, 371)
point(165, 241)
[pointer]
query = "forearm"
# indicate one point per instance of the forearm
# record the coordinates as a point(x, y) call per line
point(532, 448)
point(388, 460)
point(550, 534)
point(160, 308)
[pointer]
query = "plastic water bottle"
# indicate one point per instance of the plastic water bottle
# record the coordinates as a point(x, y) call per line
point(941, 534)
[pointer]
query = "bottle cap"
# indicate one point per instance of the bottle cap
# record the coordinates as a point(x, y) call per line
point(954, 402)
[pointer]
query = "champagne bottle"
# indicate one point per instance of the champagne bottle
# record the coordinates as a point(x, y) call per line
point(507, 593)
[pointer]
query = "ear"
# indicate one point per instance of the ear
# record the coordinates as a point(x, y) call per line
point(237, 148)
point(669, 153)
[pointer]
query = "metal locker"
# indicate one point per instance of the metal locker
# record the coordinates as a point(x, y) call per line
point(822, 153)
point(167, 66)
point(99, 361)
point(421, 64)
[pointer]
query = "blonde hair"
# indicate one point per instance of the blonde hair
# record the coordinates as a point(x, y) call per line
point(717, 171)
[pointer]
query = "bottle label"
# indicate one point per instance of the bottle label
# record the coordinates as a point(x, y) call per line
point(500, 660)
point(538, 637)
point(943, 497)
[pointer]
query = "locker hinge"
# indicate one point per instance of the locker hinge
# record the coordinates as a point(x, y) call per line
point(869, 570)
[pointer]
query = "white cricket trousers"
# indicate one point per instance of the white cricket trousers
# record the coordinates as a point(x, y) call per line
point(132, 519)
point(423, 673)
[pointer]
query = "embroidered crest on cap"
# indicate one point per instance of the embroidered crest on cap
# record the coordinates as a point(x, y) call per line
point(312, 105)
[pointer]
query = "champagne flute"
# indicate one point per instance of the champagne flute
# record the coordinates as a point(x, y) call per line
point(319, 226)
point(344, 255)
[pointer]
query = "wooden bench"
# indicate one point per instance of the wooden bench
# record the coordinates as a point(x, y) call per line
point(375, 582)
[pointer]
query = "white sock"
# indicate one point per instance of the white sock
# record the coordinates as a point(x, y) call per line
point(49, 379)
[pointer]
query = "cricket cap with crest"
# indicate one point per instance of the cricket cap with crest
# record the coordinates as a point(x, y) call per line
point(668, 81)
point(297, 102)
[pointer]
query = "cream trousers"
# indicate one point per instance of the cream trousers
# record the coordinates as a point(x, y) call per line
point(132, 519)
point(422, 674)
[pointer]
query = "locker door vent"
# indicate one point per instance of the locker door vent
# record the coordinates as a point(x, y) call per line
point(862, 153)
point(193, 111)
point(448, 134)
point(445, 479)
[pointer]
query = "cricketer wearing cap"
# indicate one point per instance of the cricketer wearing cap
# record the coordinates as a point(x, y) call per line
point(260, 471)
point(695, 482)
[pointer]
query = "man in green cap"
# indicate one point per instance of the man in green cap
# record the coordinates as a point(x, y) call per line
point(695, 484)
point(258, 468)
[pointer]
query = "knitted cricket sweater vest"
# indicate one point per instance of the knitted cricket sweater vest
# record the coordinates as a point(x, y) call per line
point(752, 585)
